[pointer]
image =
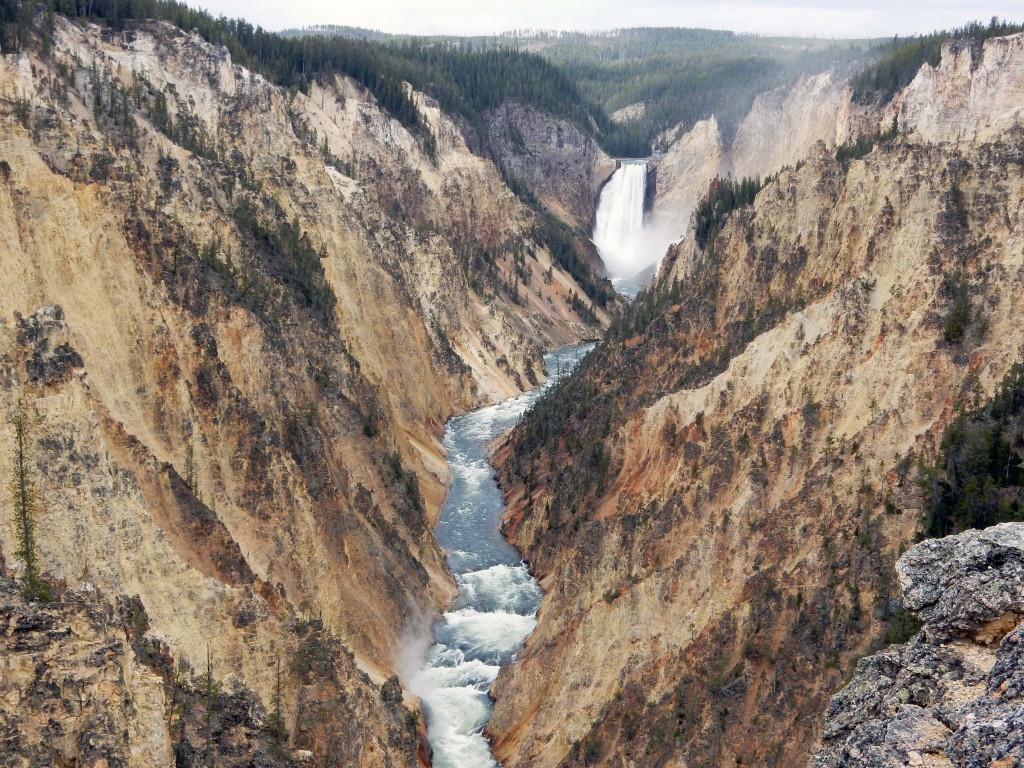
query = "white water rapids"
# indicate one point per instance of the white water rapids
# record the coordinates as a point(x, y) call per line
point(498, 598)
point(629, 245)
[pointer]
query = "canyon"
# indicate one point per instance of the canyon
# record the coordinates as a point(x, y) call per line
point(238, 317)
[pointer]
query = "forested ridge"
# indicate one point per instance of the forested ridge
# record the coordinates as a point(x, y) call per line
point(685, 75)
point(680, 75)
point(464, 78)
point(286, 62)
point(468, 80)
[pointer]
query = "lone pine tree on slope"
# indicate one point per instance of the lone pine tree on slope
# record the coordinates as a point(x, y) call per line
point(23, 497)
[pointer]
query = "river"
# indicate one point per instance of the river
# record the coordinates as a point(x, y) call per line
point(498, 598)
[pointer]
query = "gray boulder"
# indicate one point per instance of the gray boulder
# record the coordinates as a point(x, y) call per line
point(954, 694)
point(958, 586)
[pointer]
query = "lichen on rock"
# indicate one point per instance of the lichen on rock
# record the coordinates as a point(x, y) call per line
point(953, 694)
point(961, 585)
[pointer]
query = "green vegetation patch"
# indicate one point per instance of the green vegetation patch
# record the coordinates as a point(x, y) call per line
point(977, 479)
point(722, 198)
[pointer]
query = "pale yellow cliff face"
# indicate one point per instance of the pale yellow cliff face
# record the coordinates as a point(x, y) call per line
point(73, 664)
point(785, 123)
point(972, 95)
point(138, 353)
point(295, 509)
point(717, 485)
point(684, 172)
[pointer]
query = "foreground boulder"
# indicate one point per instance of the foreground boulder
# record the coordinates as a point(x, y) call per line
point(953, 695)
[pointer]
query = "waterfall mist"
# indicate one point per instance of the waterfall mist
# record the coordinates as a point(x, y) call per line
point(629, 244)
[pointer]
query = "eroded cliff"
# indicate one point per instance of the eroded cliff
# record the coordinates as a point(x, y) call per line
point(555, 160)
point(780, 129)
point(974, 94)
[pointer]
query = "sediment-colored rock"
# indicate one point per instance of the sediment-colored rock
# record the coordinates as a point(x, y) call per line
point(715, 505)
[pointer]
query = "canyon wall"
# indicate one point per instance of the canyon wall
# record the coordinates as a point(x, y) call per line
point(714, 505)
point(237, 318)
point(561, 166)
point(974, 94)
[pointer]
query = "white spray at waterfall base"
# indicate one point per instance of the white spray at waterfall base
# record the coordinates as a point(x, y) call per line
point(629, 245)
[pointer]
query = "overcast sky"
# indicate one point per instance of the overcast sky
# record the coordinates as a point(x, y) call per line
point(828, 18)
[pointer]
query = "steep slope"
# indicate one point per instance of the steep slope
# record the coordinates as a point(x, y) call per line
point(237, 318)
point(715, 502)
point(73, 659)
point(558, 164)
point(973, 95)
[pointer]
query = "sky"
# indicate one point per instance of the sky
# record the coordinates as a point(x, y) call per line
point(824, 18)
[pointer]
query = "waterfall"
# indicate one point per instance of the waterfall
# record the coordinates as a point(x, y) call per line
point(620, 219)
point(629, 247)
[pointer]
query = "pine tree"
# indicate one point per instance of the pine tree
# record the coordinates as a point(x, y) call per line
point(277, 727)
point(23, 495)
point(190, 467)
point(212, 696)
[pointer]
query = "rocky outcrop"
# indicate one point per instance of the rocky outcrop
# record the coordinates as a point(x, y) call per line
point(629, 113)
point(72, 690)
point(974, 94)
point(954, 694)
point(561, 166)
point(53, 359)
point(962, 586)
point(84, 682)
